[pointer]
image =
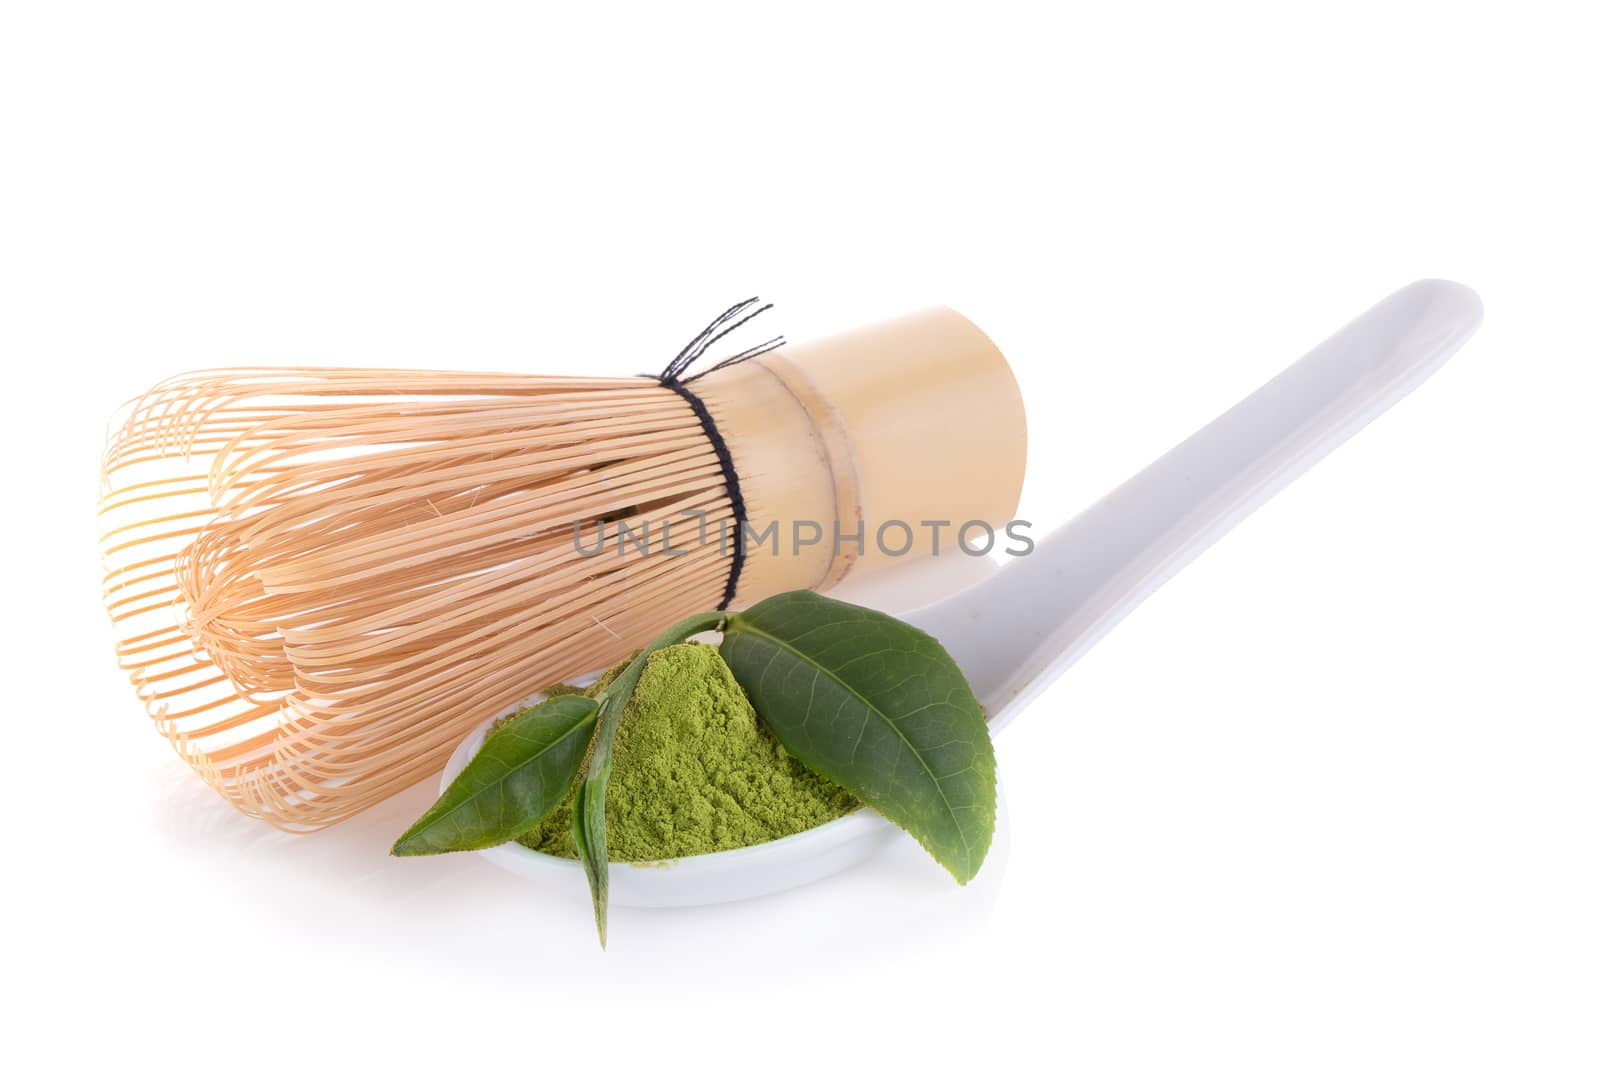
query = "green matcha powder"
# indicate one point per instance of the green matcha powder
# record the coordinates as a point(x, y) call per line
point(695, 770)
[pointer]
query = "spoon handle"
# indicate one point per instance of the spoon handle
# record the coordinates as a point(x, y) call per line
point(1016, 632)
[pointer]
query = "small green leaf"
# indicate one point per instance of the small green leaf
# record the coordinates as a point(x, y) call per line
point(523, 770)
point(878, 707)
point(589, 840)
point(589, 806)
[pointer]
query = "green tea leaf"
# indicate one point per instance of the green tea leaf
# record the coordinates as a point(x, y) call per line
point(523, 770)
point(589, 839)
point(589, 806)
point(878, 707)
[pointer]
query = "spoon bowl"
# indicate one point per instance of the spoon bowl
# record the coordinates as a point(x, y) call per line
point(710, 878)
point(1016, 631)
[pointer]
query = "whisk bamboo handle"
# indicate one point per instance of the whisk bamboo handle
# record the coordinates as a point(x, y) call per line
point(916, 420)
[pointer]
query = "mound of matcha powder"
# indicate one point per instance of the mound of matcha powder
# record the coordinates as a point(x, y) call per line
point(695, 770)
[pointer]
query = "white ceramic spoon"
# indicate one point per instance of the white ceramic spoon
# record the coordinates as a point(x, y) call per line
point(1017, 631)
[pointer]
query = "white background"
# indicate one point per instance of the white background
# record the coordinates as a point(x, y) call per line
point(1331, 796)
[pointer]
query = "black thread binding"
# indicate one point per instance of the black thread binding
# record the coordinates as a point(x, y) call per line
point(672, 377)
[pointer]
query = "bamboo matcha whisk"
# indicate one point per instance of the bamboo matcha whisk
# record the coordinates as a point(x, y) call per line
point(321, 579)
